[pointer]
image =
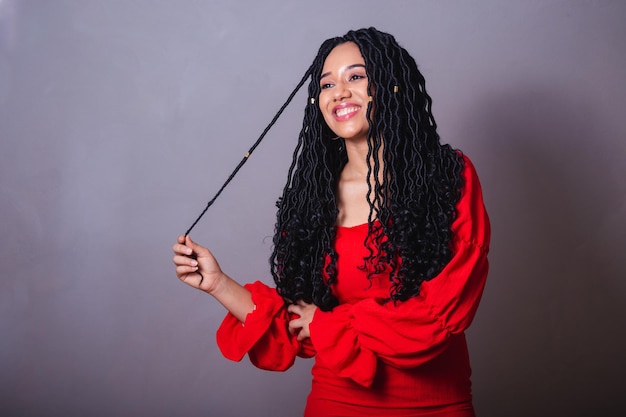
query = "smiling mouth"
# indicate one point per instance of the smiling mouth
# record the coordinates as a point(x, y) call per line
point(345, 111)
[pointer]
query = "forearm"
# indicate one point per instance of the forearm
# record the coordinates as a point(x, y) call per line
point(233, 296)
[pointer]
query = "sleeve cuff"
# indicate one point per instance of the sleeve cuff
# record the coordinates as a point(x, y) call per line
point(235, 338)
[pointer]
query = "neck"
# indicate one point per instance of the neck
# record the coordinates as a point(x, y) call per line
point(356, 167)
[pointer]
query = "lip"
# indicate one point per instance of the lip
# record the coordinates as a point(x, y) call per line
point(350, 110)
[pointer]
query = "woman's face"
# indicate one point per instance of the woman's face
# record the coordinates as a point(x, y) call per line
point(343, 97)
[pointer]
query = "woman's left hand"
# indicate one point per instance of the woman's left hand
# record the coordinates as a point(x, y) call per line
point(300, 325)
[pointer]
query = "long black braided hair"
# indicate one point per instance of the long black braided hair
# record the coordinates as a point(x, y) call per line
point(413, 200)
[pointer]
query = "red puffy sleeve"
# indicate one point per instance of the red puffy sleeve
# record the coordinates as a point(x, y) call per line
point(264, 336)
point(351, 338)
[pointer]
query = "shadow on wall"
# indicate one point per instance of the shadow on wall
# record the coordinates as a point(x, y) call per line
point(550, 337)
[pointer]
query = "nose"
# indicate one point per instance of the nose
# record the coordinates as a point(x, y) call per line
point(341, 91)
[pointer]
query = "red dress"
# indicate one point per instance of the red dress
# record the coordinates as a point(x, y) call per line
point(373, 358)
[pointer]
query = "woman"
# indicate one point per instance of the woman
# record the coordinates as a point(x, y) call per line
point(380, 247)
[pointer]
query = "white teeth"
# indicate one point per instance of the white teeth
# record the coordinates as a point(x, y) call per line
point(343, 112)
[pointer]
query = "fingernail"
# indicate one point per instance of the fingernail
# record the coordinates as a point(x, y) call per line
point(194, 263)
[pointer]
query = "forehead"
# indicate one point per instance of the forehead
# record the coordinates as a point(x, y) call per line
point(347, 53)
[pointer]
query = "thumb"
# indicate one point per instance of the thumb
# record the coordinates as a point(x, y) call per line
point(196, 248)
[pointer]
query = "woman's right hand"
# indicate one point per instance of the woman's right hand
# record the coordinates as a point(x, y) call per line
point(195, 265)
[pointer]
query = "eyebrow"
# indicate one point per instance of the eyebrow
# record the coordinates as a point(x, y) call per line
point(326, 74)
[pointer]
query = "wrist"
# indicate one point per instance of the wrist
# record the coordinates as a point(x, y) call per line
point(234, 297)
point(219, 285)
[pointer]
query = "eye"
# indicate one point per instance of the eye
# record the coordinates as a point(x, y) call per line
point(357, 77)
point(325, 86)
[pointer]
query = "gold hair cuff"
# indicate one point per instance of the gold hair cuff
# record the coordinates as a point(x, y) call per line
point(395, 88)
point(312, 100)
point(370, 98)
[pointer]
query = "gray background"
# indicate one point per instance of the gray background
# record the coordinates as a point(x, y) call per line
point(118, 119)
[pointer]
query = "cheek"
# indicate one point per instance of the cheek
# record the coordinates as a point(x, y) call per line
point(328, 118)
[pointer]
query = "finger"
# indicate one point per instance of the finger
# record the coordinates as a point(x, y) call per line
point(303, 334)
point(294, 326)
point(197, 249)
point(184, 261)
point(295, 309)
point(180, 245)
point(182, 250)
point(184, 272)
point(193, 245)
point(193, 280)
point(186, 269)
point(293, 330)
